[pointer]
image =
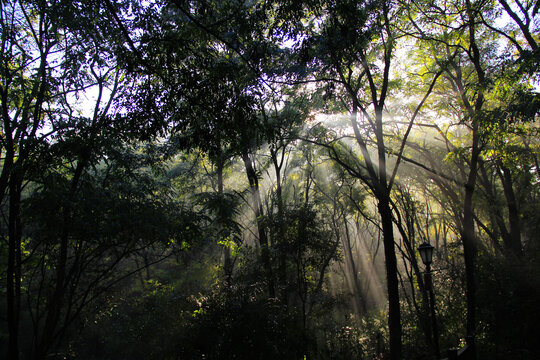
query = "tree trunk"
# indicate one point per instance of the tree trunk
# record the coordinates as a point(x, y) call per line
point(514, 241)
point(55, 301)
point(14, 265)
point(282, 246)
point(378, 181)
point(353, 269)
point(392, 282)
point(467, 234)
point(227, 261)
point(423, 312)
point(257, 208)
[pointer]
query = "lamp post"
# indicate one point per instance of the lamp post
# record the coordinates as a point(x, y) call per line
point(426, 253)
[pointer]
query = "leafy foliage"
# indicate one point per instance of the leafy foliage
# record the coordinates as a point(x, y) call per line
point(169, 186)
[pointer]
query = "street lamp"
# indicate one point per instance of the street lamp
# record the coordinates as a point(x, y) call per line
point(426, 253)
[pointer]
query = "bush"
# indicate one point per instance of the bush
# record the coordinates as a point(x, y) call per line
point(240, 322)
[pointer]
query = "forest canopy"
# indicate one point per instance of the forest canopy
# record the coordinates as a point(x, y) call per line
point(252, 179)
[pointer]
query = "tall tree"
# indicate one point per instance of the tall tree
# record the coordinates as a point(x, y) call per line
point(349, 48)
point(473, 47)
point(52, 55)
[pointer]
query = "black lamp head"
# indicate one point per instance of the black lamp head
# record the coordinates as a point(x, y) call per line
point(426, 253)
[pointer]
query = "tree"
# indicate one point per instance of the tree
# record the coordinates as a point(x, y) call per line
point(349, 49)
point(52, 146)
point(471, 52)
point(32, 95)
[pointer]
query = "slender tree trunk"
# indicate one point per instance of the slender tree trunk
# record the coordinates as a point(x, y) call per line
point(392, 281)
point(227, 262)
point(470, 248)
point(55, 301)
point(282, 246)
point(423, 312)
point(257, 208)
point(14, 265)
point(514, 243)
point(383, 196)
point(379, 184)
point(353, 269)
point(467, 234)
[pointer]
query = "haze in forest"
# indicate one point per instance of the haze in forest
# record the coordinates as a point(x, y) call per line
point(198, 179)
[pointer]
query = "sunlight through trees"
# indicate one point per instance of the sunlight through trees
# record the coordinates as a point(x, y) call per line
point(199, 179)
